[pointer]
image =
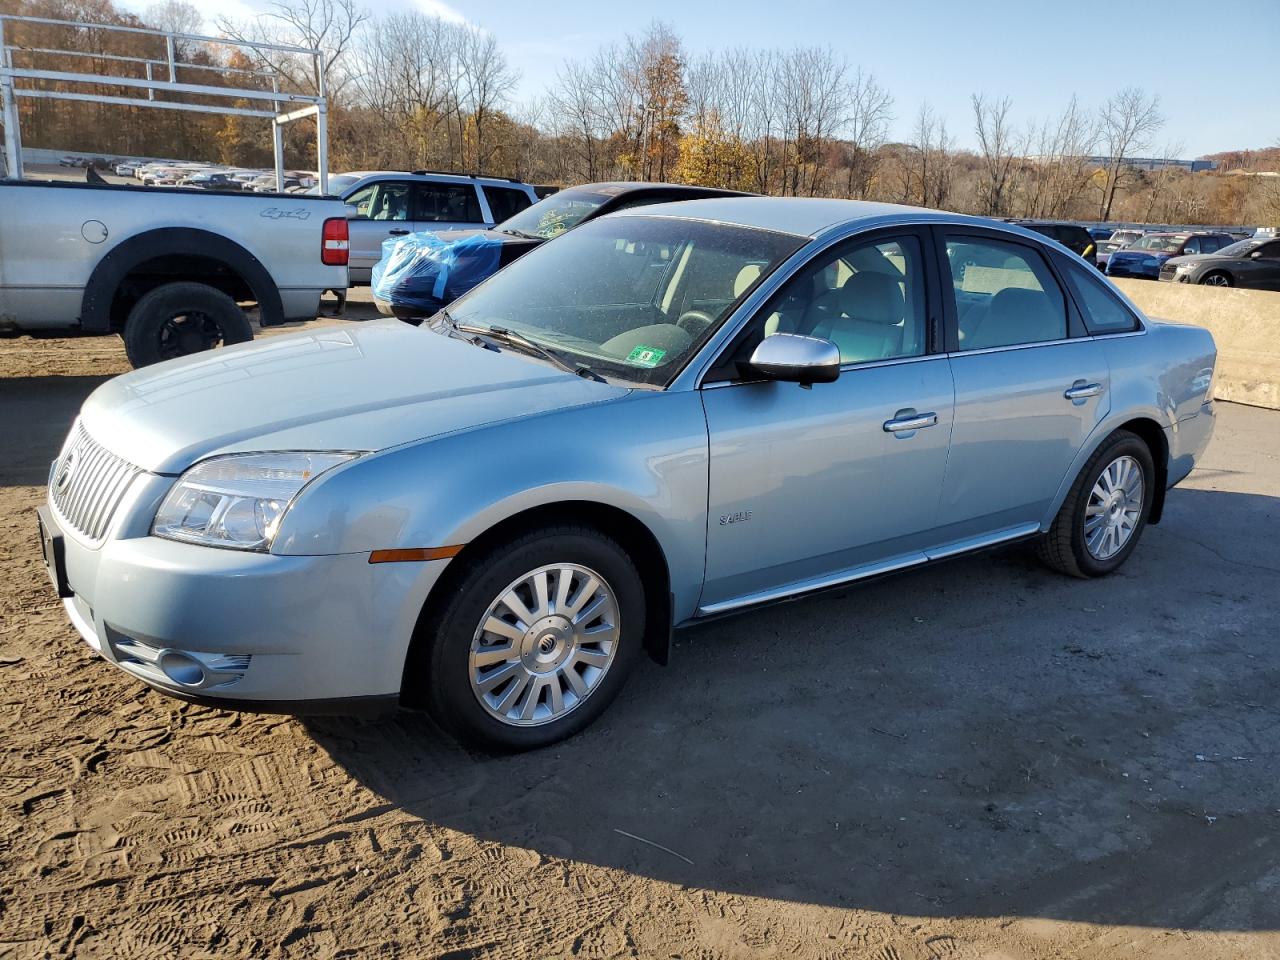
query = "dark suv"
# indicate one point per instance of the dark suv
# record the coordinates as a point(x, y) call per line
point(1071, 235)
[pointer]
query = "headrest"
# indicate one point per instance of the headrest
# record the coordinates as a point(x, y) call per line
point(745, 278)
point(873, 297)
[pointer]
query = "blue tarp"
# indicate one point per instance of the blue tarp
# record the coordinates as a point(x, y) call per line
point(423, 273)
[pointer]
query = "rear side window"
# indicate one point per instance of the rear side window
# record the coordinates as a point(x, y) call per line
point(1005, 294)
point(505, 202)
point(1103, 311)
point(446, 203)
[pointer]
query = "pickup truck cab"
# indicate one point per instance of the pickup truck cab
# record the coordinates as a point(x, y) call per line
point(167, 269)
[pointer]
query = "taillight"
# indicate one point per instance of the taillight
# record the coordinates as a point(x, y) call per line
point(335, 242)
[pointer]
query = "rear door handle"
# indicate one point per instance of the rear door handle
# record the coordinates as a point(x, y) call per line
point(1082, 390)
point(916, 421)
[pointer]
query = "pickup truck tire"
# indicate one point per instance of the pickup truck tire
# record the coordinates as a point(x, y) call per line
point(178, 319)
point(1116, 488)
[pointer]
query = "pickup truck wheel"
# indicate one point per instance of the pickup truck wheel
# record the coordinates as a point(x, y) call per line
point(178, 319)
point(535, 641)
point(1106, 511)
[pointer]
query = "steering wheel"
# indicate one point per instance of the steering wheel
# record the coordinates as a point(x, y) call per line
point(695, 322)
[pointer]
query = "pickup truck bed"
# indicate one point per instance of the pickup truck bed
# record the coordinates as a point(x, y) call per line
point(94, 257)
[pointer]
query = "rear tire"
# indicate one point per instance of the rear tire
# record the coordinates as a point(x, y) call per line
point(178, 319)
point(1105, 512)
point(535, 702)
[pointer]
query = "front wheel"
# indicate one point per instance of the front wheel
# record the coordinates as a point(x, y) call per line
point(177, 319)
point(1105, 512)
point(534, 641)
point(1218, 279)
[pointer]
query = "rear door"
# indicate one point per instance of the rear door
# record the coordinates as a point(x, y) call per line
point(1030, 385)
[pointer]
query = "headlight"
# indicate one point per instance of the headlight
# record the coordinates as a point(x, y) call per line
point(238, 501)
point(1184, 267)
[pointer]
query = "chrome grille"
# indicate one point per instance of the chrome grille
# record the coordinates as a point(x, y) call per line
point(87, 483)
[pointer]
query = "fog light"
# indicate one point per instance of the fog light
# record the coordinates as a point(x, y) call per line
point(181, 668)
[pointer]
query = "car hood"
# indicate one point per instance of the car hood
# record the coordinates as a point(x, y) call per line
point(1197, 258)
point(506, 239)
point(365, 387)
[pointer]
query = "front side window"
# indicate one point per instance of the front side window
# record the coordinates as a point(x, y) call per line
point(867, 298)
point(446, 203)
point(1192, 246)
point(381, 201)
point(1103, 311)
point(1005, 294)
point(629, 297)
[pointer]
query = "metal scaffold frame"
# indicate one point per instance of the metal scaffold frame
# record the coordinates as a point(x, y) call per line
point(271, 100)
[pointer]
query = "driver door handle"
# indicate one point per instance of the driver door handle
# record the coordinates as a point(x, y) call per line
point(917, 421)
point(399, 233)
point(1080, 390)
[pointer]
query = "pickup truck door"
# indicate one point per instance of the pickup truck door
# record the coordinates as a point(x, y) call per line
point(810, 486)
point(1030, 388)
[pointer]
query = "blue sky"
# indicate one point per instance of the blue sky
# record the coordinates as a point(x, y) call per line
point(1202, 64)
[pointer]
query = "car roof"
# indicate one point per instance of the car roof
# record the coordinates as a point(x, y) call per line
point(800, 216)
point(431, 175)
point(615, 188)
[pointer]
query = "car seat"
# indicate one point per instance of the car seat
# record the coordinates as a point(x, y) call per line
point(863, 317)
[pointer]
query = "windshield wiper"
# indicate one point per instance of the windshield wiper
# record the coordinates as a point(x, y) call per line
point(519, 233)
point(531, 346)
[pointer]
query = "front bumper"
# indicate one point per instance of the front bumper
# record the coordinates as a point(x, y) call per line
point(245, 630)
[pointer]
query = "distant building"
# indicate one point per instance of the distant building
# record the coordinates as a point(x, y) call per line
point(1145, 163)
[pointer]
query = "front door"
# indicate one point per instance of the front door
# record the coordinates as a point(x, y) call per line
point(813, 485)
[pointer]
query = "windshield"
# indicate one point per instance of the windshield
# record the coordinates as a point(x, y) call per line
point(557, 213)
point(1157, 243)
point(632, 298)
point(1240, 248)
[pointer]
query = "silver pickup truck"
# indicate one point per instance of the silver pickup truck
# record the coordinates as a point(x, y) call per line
point(167, 269)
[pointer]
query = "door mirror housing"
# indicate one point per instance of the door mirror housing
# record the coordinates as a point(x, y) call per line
point(1255, 255)
point(796, 359)
point(353, 212)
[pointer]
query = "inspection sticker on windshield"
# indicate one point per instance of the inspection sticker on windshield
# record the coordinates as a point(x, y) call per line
point(646, 356)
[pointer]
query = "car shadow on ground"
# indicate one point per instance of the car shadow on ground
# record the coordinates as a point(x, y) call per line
point(980, 738)
point(37, 413)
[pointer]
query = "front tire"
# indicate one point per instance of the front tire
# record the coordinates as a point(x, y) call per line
point(535, 639)
point(1103, 517)
point(1217, 279)
point(177, 319)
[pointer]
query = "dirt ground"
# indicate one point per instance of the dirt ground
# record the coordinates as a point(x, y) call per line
point(979, 760)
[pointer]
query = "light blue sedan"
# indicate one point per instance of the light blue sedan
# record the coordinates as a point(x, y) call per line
point(663, 416)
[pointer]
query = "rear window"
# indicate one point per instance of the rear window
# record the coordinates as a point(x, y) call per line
point(505, 202)
point(1103, 311)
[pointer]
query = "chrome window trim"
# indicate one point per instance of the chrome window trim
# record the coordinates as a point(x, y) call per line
point(692, 377)
point(851, 366)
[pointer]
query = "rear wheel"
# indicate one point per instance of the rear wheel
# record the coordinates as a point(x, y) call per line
point(1106, 511)
point(1217, 279)
point(178, 319)
point(534, 642)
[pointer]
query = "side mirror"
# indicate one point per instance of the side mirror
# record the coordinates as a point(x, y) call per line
point(353, 212)
point(796, 359)
point(1255, 255)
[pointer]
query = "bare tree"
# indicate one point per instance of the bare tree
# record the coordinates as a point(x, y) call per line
point(1129, 120)
point(868, 114)
point(998, 151)
point(485, 81)
point(927, 177)
point(325, 25)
